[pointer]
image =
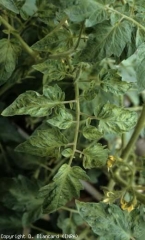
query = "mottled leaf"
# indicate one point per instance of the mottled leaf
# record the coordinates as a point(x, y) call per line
point(43, 143)
point(65, 186)
point(95, 156)
point(92, 133)
point(34, 104)
point(112, 83)
point(106, 220)
point(62, 120)
point(115, 119)
point(52, 69)
point(107, 40)
point(10, 50)
point(67, 152)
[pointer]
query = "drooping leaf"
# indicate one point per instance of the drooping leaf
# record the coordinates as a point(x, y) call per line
point(95, 156)
point(111, 221)
point(66, 185)
point(43, 143)
point(32, 215)
point(133, 68)
point(106, 41)
point(10, 222)
point(105, 220)
point(62, 120)
point(113, 84)
point(10, 50)
point(52, 69)
point(10, 5)
point(34, 104)
point(22, 195)
point(92, 133)
point(115, 119)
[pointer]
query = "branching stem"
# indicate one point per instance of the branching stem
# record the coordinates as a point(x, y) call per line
point(25, 46)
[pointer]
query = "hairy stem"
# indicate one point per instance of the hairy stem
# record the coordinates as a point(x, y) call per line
point(77, 115)
point(140, 124)
point(123, 183)
point(126, 17)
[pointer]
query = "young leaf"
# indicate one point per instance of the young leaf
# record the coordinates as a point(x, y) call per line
point(53, 93)
point(92, 133)
point(53, 70)
point(115, 119)
point(95, 156)
point(55, 42)
point(67, 152)
point(10, 50)
point(106, 41)
point(62, 120)
point(10, 5)
point(106, 220)
point(66, 185)
point(113, 84)
point(34, 104)
point(43, 143)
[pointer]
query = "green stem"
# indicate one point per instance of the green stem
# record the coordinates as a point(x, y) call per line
point(44, 231)
point(77, 115)
point(13, 31)
point(80, 34)
point(133, 139)
point(126, 17)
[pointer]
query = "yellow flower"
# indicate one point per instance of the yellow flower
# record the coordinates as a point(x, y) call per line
point(110, 162)
point(129, 206)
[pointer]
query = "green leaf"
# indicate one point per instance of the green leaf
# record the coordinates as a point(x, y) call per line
point(10, 5)
point(112, 83)
point(66, 185)
point(43, 143)
point(62, 120)
point(10, 50)
point(106, 220)
point(67, 152)
point(106, 41)
point(115, 119)
point(32, 215)
point(67, 225)
point(22, 195)
point(95, 156)
point(10, 222)
point(53, 70)
point(91, 133)
point(34, 104)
